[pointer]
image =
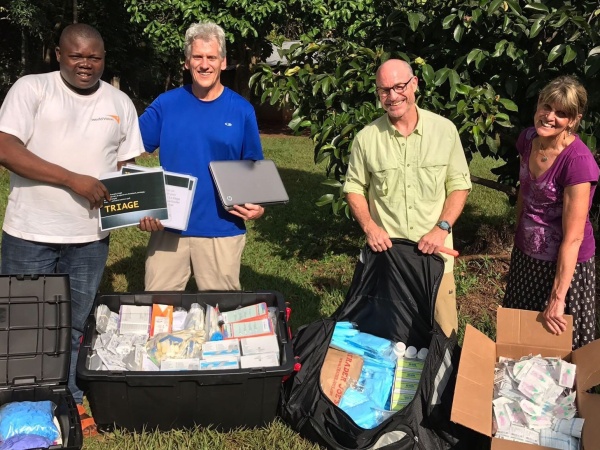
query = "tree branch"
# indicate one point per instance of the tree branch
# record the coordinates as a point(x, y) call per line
point(508, 190)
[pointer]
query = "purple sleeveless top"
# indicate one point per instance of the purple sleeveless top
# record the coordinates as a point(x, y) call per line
point(540, 233)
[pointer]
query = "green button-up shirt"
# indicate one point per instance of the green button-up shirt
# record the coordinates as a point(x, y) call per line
point(407, 179)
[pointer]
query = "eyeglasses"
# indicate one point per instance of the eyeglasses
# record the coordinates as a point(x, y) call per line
point(398, 88)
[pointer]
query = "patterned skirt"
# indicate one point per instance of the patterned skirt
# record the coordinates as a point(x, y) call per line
point(530, 283)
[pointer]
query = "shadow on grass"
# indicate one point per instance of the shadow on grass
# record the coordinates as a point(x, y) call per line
point(305, 303)
point(131, 268)
point(477, 233)
point(303, 230)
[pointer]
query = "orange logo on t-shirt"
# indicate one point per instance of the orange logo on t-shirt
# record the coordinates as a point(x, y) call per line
point(117, 118)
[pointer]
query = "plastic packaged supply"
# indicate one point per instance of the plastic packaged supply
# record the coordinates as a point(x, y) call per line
point(102, 316)
point(179, 316)
point(28, 418)
point(422, 355)
point(411, 352)
point(134, 319)
point(195, 318)
point(400, 349)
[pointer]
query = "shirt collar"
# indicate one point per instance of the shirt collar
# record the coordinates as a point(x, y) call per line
point(418, 129)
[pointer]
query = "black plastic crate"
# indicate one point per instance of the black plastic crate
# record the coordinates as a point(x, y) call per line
point(222, 399)
point(35, 347)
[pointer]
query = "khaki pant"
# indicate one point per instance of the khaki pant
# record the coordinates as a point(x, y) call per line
point(445, 305)
point(215, 262)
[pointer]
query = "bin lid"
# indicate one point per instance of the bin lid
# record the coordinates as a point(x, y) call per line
point(35, 329)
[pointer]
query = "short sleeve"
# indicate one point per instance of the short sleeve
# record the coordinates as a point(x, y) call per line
point(17, 115)
point(131, 146)
point(457, 176)
point(581, 168)
point(252, 147)
point(151, 126)
point(524, 141)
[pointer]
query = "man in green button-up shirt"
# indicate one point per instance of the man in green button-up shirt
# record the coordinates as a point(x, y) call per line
point(408, 178)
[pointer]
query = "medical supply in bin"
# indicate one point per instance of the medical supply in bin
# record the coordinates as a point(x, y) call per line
point(214, 349)
point(389, 377)
point(251, 312)
point(205, 336)
point(534, 402)
point(188, 392)
point(407, 376)
point(134, 319)
point(161, 320)
point(411, 352)
point(399, 349)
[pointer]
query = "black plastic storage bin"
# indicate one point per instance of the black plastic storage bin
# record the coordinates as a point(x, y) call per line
point(223, 399)
point(35, 347)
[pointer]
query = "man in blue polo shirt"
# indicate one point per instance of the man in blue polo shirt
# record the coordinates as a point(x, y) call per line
point(193, 125)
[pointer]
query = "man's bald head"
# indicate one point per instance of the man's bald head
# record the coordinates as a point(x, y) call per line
point(79, 31)
point(394, 65)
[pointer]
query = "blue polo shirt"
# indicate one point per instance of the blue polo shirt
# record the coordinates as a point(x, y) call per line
point(191, 133)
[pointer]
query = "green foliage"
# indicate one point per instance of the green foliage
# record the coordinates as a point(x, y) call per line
point(479, 63)
point(247, 24)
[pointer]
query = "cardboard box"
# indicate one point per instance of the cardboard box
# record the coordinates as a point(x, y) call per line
point(339, 370)
point(520, 333)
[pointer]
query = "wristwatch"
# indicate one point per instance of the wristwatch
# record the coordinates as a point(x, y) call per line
point(444, 225)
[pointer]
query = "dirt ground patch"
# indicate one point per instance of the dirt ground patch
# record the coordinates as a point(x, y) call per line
point(483, 278)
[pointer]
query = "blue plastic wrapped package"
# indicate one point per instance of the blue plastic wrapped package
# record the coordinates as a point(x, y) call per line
point(377, 382)
point(361, 409)
point(372, 345)
point(350, 340)
point(28, 418)
point(367, 402)
point(25, 442)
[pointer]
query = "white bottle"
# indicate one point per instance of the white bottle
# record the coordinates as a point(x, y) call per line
point(411, 352)
point(422, 355)
point(399, 349)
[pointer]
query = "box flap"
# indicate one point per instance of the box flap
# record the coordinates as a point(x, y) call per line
point(521, 332)
point(589, 408)
point(587, 360)
point(503, 444)
point(472, 404)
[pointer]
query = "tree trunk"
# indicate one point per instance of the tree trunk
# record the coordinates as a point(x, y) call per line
point(75, 18)
point(24, 56)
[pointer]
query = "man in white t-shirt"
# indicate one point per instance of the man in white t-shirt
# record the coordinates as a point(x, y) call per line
point(59, 132)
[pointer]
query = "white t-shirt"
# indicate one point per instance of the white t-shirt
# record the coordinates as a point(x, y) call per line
point(86, 134)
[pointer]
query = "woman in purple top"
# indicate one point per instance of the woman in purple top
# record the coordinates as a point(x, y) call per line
point(552, 264)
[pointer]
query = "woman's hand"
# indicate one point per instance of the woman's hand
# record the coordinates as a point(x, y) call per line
point(554, 314)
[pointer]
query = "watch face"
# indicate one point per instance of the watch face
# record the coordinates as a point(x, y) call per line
point(444, 225)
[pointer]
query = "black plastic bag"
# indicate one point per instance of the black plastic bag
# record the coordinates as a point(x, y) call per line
point(392, 296)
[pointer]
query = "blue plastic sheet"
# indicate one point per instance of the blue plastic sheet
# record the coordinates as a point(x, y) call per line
point(28, 418)
point(25, 442)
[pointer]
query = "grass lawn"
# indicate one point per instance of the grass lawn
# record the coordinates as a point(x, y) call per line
point(305, 253)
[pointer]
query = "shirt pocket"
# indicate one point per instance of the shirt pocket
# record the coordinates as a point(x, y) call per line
point(432, 181)
point(383, 176)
